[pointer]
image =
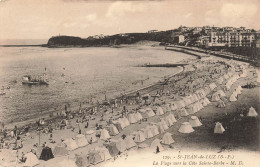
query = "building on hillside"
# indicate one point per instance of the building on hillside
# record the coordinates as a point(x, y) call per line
point(152, 31)
point(231, 39)
point(197, 30)
point(179, 39)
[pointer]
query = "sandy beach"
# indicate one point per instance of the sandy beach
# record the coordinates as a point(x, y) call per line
point(208, 74)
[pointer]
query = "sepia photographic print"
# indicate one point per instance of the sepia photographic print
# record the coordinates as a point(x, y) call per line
point(129, 83)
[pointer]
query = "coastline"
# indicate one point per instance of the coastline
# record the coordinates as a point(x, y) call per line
point(45, 115)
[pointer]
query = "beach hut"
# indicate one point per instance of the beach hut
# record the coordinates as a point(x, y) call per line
point(159, 111)
point(167, 139)
point(183, 112)
point(46, 154)
point(91, 136)
point(81, 140)
point(70, 144)
point(215, 97)
point(66, 163)
point(186, 128)
point(112, 130)
point(252, 112)
point(60, 150)
point(104, 135)
point(219, 128)
point(233, 97)
point(139, 137)
point(31, 160)
point(155, 145)
point(194, 121)
point(129, 142)
point(132, 119)
point(221, 104)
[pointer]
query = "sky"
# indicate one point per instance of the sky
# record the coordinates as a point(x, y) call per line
point(41, 19)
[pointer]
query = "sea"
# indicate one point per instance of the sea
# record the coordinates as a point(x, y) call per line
point(75, 75)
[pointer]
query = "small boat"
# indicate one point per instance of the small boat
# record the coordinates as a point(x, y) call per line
point(28, 80)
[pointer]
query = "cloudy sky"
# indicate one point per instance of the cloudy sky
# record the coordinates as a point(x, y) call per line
point(41, 19)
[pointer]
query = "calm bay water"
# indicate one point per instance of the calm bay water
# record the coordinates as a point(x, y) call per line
point(88, 73)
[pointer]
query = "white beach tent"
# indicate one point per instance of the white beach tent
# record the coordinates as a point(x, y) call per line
point(164, 124)
point(172, 117)
point(183, 112)
point(60, 150)
point(120, 144)
point(186, 128)
point(191, 109)
point(160, 127)
point(104, 135)
point(138, 116)
point(167, 138)
point(219, 128)
point(215, 97)
point(159, 111)
point(149, 112)
point(125, 121)
point(31, 160)
point(221, 104)
point(168, 121)
point(221, 93)
point(129, 142)
point(132, 119)
point(156, 143)
point(252, 112)
point(112, 130)
point(220, 80)
point(147, 132)
point(180, 104)
point(70, 144)
point(139, 137)
point(81, 140)
point(212, 86)
point(154, 129)
point(173, 106)
point(91, 135)
point(233, 97)
point(194, 121)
